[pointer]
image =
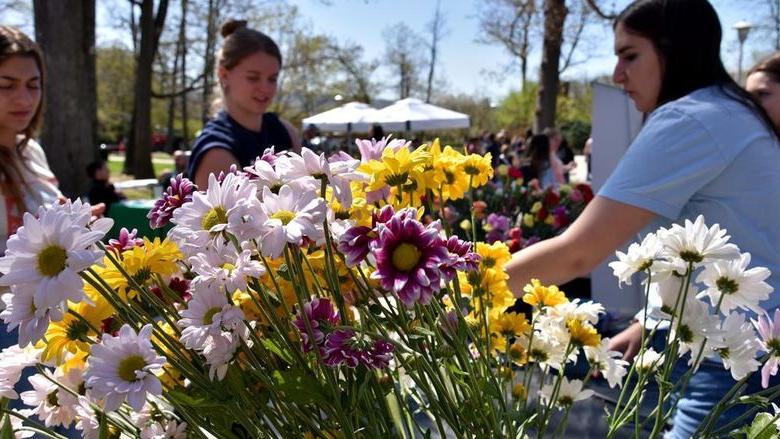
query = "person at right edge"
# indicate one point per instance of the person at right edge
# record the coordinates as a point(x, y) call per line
point(707, 148)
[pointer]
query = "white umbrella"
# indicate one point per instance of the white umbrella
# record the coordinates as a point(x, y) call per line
point(353, 116)
point(412, 114)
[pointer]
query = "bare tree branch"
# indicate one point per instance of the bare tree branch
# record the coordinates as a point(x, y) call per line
point(597, 9)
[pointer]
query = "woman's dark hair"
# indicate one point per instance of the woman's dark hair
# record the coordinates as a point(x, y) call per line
point(687, 35)
point(538, 154)
point(15, 43)
point(770, 66)
point(239, 43)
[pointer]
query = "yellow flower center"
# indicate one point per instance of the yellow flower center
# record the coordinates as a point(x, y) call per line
point(217, 215)
point(406, 256)
point(285, 216)
point(228, 266)
point(77, 331)
point(128, 367)
point(51, 261)
point(208, 318)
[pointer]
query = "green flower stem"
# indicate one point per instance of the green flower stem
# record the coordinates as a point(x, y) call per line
point(36, 426)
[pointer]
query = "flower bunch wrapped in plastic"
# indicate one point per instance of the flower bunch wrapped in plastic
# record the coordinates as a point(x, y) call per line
point(708, 300)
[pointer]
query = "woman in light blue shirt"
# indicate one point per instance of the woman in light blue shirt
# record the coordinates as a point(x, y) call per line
point(706, 148)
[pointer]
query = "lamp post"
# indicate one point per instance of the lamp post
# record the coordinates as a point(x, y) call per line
point(743, 28)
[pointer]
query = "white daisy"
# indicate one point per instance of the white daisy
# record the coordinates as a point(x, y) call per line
point(21, 312)
point(568, 393)
point(13, 360)
point(738, 286)
point(648, 360)
point(219, 209)
point(341, 171)
point(81, 214)
point(220, 349)
point(49, 252)
point(695, 325)
point(609, 363)
point(51, 404)
point(291, 217)
point(288, 169)
point(696, 243)
point(165, 429)
point(638, 258)
point(123, 367)
point(544, 351)
point(586, 311)
point(224, 266)
point(739, 346)
point(87, 420)
point(208, 314)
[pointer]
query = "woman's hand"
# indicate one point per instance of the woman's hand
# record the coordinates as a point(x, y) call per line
point(98, 210)
point(627, 341)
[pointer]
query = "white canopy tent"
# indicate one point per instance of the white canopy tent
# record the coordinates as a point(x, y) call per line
point(350, 117)
point(412, 114)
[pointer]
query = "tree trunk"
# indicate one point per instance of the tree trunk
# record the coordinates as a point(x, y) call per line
point(66, 32)
point(183, 72)
point(208, 64)
point(151, 27)
point(554, 17)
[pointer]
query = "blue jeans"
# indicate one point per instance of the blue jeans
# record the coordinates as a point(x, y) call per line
point(705, 389)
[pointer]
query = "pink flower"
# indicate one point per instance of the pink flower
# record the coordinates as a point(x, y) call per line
point(347, 347)
point(408, 257)
point(126, 241)
point(461, 258)
point(179, 192)
point(769, 330)
point(321, 316)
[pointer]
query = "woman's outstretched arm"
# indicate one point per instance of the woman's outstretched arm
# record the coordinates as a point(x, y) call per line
point(604, 226)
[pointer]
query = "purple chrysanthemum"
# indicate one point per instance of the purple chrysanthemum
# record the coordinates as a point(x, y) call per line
point(344, 346)
point(499, 226)
point(178, 193)
point(354, 244)
point(408, 257)
point(320, 313)
point(126, 241)
point(461, 258)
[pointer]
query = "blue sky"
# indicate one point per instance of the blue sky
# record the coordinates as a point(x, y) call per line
point(464, 63)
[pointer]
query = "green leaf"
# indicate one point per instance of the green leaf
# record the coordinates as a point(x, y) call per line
point(424, 331)
point(6, 432)
point(300, 387)
point(274, 347)
point(762, 427)
point(103, 426)
point(193, 401)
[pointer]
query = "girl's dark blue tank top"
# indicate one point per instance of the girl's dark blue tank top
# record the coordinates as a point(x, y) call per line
point(246, 145)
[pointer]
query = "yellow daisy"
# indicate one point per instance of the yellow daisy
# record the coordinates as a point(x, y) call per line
point(540, 296)
point(478, 168)
point(72, 334)
point(154, 257)
point(583, 333)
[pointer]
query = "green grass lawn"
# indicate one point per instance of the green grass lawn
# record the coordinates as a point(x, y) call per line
point(161, 162)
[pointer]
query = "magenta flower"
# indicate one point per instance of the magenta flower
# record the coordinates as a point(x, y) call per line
point(460, 258)
point(354, 244)
point(344, 346)
point(321, 316)
point(769, 330)
point(408, 256)
point(178, 193)
point(126, 241)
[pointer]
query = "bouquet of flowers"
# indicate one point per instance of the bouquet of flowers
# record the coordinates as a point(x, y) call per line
point(303, 296)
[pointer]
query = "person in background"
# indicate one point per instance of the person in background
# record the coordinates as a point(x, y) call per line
point(310, 135)
point(560, 169)
point(707, 148)
point(537, 161)
point(376, 132)
point(181, 160)
point(248, 66)
point(101, 189)
point(588, 151)
point(763, 82)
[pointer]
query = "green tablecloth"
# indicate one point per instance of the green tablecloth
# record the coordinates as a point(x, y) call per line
point(132, 215)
